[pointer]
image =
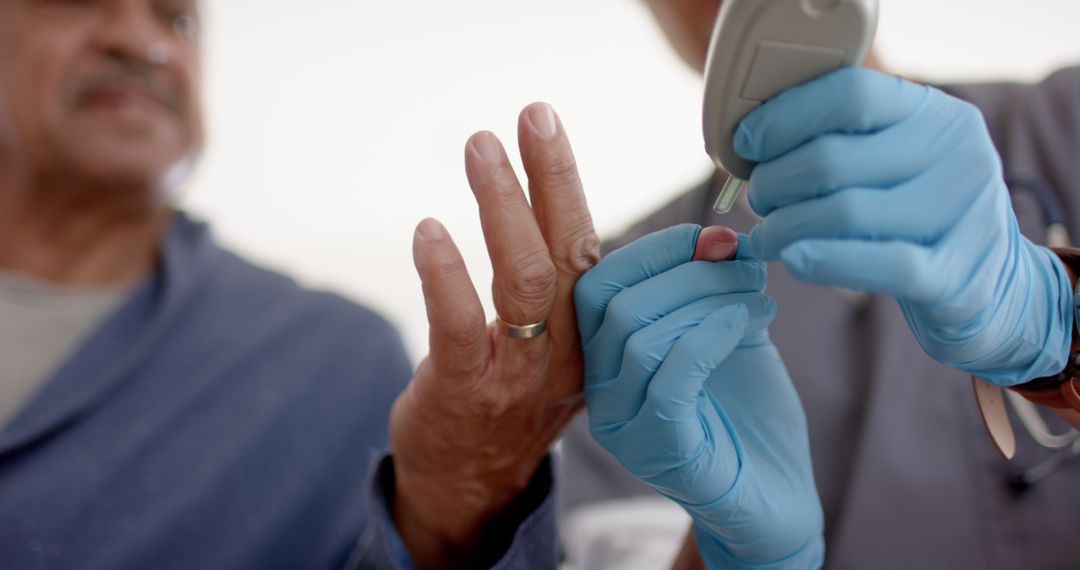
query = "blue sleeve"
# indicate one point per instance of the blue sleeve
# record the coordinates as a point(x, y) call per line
point(531, 517)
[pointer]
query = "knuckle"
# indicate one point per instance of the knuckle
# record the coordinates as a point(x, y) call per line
point(917, 272)
point(862, 98)
point(605, 433)
point(621, 313)
point(656, 392)
point(461, 343)
point(987, 161)
point(582, 249)
point(459, 361)
point(588, 293)
point(847, 209)
point(560, 170)
point(694, 350)
point(826, 161)
point(760, 272)
point(438, 267)
point(464, 336)
point(620, 320)
point(970, 115)
point(534, 280)
point(976, 143)
point(638, 352)
point(505, 190)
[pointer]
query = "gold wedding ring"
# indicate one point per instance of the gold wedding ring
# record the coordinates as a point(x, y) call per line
point(522, 332)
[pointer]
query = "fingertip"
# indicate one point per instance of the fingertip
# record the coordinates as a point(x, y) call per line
point(432, 247)
point(485, 146)
point(744, 142)
point(753, 196)
point(429, 229)
point(749, 247)
point(541, 119)
point(716, 243)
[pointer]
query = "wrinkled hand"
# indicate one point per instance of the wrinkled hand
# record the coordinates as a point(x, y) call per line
point(873, 183)
point(473, 426)
point(685, 389)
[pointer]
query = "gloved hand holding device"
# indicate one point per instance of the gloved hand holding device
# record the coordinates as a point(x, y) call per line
point(685, 389)
point(870, 182)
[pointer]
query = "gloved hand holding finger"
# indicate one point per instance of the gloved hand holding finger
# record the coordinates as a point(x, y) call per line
point(873, 183)
point(622, 268)
point(622, 366)
point(638, 306)
point(684, 388)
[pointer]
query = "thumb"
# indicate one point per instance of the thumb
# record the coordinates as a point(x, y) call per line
point(457, 327)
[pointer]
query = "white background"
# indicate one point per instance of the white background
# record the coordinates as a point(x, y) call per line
point(336, 125)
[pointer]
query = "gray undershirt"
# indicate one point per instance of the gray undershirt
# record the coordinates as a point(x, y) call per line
point(41, 325)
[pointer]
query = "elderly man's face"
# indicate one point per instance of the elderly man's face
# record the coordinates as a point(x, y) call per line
point(105, 89)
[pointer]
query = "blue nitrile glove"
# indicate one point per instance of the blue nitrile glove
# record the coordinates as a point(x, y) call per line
point(685, 389)
point(873, 183)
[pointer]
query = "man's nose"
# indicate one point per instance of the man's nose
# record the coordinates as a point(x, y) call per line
point(129, 32)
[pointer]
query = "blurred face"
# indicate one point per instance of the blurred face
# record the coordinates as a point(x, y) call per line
point(101, 89)
point(688, 25)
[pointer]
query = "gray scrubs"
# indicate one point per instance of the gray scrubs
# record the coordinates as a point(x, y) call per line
point(906, 473)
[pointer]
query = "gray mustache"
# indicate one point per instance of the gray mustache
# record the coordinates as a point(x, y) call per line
point(126, 76)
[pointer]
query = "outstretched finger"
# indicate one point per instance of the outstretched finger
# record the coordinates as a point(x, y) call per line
point(558, 201)
point(457, 327)
point(524, 275)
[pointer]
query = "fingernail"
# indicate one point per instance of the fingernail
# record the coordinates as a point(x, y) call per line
point(487, 146)
point(721, 251)
point(431, 229)
point(542, 117)
point(716, 243)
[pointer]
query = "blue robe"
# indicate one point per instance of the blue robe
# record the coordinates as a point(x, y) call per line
point(223, 417)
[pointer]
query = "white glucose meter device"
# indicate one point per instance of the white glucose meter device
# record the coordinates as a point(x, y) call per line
point(763, 47)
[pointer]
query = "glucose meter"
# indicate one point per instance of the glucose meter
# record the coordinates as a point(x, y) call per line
point(760, 48)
